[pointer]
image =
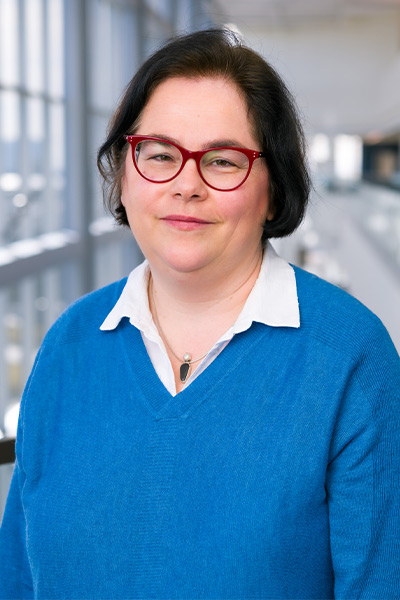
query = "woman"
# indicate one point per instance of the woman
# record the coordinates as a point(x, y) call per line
point(220, 425)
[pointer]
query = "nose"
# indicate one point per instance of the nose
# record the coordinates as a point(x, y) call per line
point(188, 184)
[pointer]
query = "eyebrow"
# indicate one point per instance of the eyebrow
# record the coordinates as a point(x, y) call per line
point(212, 144)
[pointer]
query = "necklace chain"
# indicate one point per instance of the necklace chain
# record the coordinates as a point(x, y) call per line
point(186, 360)
point(187, 357)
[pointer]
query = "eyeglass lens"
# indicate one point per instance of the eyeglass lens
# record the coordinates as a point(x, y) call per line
point(159, 161)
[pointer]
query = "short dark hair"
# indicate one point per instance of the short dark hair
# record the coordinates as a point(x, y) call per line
point(271, 109)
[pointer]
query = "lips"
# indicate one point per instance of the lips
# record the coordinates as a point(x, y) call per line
point(185, 223)
point(185, 219)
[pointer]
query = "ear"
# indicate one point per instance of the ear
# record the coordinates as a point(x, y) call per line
point(123, 187)
point(270, 213)
point(270, 204)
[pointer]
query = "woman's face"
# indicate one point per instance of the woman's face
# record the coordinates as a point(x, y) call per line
point(183, 225)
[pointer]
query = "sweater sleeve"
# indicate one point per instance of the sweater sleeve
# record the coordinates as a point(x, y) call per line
point(15, 575)
point(363, 478)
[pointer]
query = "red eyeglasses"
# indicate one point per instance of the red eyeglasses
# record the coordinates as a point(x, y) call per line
point(223, 168)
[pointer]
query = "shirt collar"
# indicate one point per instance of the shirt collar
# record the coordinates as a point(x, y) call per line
point(272, 301)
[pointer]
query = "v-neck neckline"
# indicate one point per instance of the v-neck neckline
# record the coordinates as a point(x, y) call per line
point(157, 399)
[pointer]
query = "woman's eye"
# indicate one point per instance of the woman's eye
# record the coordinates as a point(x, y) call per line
point(157, 152)
point(223, 162)
point(161, 157)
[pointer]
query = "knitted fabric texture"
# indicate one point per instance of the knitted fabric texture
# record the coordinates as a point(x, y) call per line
point(275, 475)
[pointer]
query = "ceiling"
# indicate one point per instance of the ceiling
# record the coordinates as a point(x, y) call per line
point(281, 13)
point(340, 58)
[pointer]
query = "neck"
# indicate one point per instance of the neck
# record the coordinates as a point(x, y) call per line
point(192, 318)
point(191, 314)
point(201, 291)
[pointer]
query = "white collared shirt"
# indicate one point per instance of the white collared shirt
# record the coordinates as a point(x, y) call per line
point(272, 301)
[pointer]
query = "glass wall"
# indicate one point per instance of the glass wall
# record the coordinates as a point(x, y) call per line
point(32, 119)
point(63, 66)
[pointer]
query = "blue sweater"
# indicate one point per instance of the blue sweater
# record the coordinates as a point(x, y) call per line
point(274, 475)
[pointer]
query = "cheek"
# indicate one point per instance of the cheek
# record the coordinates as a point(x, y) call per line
point(128, 201)
point(254, 198)
point(256, 207)
point(130, 192)
point(246, 215)
point(130, 182)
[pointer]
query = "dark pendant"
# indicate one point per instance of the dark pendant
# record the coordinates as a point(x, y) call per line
point(184, 371)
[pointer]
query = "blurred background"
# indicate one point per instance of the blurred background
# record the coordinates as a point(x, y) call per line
point(63, 66)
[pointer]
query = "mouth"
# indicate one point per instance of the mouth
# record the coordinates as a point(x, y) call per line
point(185, 223)
point(185, 219)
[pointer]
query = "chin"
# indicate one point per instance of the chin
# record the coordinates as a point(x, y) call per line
point(184, 262)
point(182, 258)
point(187, 266)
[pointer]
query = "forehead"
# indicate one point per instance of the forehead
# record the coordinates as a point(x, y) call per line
point(192, 110)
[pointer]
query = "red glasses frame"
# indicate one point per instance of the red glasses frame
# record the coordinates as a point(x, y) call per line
point(197, 155)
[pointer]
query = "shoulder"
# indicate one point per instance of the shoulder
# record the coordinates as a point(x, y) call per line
point(334, 317)
point(336, 325)
point(83, 318)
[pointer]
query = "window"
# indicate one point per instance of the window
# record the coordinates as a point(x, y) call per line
point(63, 66)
